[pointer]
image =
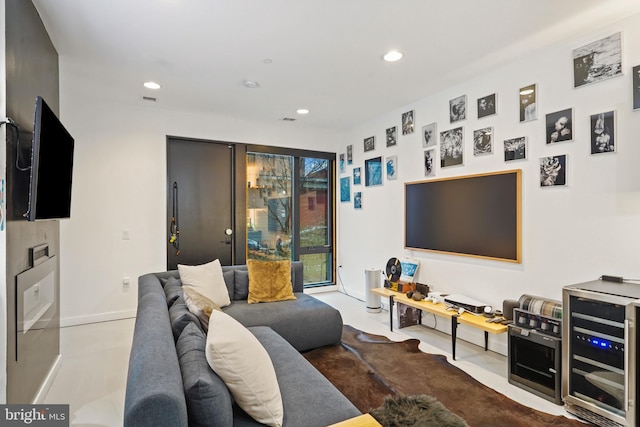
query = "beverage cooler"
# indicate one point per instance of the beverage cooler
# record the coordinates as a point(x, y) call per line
point(599, 378)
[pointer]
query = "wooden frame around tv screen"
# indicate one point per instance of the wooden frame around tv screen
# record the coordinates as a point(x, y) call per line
point(474, 215)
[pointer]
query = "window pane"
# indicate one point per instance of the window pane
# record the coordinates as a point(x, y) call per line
point(314, 211)
point(269, 206)
point(317, 269)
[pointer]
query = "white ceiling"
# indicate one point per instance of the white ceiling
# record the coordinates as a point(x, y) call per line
point(326, 55)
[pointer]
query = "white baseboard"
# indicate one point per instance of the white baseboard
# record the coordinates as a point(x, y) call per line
point(48, 382)
point(97, 318)
point(320, 289)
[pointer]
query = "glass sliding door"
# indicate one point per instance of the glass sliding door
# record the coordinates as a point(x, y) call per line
point(290, 211)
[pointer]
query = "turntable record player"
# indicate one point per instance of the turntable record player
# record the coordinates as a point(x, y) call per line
point(393, 270)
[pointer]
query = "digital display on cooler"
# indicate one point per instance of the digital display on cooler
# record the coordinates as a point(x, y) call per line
point(600, 343)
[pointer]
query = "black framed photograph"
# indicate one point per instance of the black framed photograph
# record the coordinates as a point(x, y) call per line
point(345, 189)
point(357, 176)
point(452, 147)
point(636, 87)
point(430, 162)
point(429, 135)
point(369, 144)
point(553, 171)
point(342, 163)
point(515, 149)
point(408, 119)
point(349, 154)
point(487, 106)
point(391, 164)
point(357, 200)
point(528, 103)
point(392, 136)
point(458, 109)
point(373, 172)
point(597, 61)
point(559, 126)
point(483, 141)
point(603, 129)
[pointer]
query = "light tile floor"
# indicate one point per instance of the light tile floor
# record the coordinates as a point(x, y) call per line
point(93, 370)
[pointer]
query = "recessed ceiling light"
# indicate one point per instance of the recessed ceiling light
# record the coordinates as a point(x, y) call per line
point(151, 85)
point(267, 60)
point(392, 56)
point(302, 111)
point(250, 84)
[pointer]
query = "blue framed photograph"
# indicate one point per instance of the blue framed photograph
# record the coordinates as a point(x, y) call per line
point(392, 167)
point(357, 176)
point(357, 200)
point(373, 171)
point(345, 189)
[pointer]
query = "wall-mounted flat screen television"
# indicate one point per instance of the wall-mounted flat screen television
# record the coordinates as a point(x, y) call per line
point(474, 215)
point(51, 166)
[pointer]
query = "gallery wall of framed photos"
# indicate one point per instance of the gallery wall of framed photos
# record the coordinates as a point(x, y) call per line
point(567, 114)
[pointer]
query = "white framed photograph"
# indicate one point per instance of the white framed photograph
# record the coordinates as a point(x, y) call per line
point(603, 132)
point(369, 144)
point(458, 109)
point(528, 103)
point(408, 119)
point(487, 106)
point(559, 126)
point(429, 135)
point(483, 141)
point(553, 171)
point(452, 147)
point(430, 162)
point(391, 165)
point(515, 149)
point(357, 176)
point(392, 136)
point(597, 61)
point(357, 200)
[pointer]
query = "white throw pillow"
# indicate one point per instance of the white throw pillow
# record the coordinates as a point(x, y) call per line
point(206, 279)
point(237, 356)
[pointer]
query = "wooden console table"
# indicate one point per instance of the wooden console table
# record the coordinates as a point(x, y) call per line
point(440, 309)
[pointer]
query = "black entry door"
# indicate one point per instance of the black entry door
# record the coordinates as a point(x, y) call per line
point(200, 198)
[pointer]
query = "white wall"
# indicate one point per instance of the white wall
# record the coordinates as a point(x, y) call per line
point(570, 234)
point(3, 233)
point(119, 184)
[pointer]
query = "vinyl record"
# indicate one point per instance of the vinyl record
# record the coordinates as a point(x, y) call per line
point(393, 270)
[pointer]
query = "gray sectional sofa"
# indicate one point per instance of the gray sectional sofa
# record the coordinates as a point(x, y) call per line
point(170, 383)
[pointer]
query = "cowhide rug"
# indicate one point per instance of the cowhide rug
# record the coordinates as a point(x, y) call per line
point(367, 368)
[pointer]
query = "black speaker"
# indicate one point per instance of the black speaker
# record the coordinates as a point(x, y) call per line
point(507, 308)
point(423, 289)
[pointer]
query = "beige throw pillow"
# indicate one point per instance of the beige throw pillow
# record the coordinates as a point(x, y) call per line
point(200, 305)
point(237, 356)
point(269, 281)
point(206, 279)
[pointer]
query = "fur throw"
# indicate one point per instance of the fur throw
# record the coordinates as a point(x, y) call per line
point(415, 411)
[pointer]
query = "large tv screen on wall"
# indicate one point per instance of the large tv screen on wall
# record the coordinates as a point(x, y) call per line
point(474, 215)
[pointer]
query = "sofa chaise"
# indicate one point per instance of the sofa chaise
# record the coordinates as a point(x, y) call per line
point(171, 384)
